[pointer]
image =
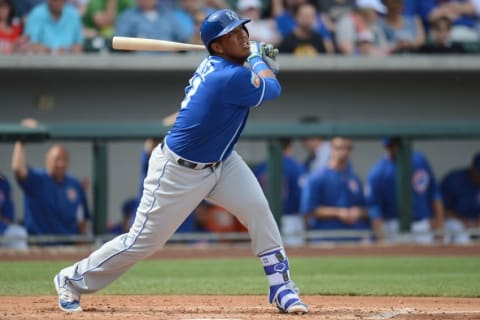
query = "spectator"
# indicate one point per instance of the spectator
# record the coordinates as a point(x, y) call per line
point(8, 229)
point(332, 198)
point(332, 10)
point(292, 222)
point(361, 27)
point(440, 39)
point(148, 20)
point(263, 30)
point(198, 17)
point(100, 16)
point(54, 27)
point(461, 198)
point(55, 202)
point(304, 40)
point(462, 13)
point(284, 13)
point(427, 210)
point(188, 12)
point(404, 33)
point(10, 28)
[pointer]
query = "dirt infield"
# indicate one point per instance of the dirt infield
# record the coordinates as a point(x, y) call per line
point(240, 307)
point(146, 307)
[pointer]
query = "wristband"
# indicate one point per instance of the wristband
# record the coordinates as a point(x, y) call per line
point(257, 64)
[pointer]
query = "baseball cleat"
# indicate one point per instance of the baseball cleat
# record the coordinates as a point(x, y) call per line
point(287, 300)
point(298, 308)
point(67, 300)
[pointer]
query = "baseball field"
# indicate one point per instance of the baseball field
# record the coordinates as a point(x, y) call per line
point(344, 283)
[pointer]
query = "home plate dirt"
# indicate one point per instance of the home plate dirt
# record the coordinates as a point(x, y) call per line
point(241, 307)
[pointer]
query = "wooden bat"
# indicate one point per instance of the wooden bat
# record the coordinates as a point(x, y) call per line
point(142, 44)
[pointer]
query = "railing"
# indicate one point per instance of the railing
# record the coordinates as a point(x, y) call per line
point(101, 133)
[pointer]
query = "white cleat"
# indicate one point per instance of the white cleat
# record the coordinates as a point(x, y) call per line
point(67, 300)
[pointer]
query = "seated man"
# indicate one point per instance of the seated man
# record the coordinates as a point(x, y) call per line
point(332, 198)
point(461, 197)
point(55, 202)
point(427, 210)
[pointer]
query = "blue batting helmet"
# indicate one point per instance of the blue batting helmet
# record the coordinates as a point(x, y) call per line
point(219, 23)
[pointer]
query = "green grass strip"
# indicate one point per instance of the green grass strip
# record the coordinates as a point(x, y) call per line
point(383, 276)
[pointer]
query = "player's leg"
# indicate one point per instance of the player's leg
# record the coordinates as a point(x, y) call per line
point(170, 193)
point(239, 192)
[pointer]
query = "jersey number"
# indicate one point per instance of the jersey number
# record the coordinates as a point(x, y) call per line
point(202, 71)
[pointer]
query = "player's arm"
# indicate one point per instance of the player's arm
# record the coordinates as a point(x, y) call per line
point(19, 157)
point(265, 67)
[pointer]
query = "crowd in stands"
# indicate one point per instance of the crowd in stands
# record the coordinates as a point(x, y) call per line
point(300, 27)
point(321, 194)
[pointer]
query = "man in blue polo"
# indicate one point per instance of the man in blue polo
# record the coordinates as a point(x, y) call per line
point(54, 27)
point(461, 198)
point(427, 207)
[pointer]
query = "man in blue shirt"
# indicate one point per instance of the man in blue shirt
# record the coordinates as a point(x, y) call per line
point(54, 27)
point(148, 20)
point(461, 198)
point(292, 222)
point(332, 198)
point(55, 202)
point(427, 207)
point(197, 161)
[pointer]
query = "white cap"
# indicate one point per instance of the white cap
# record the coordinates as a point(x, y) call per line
point(372, 4)
point(245, 4)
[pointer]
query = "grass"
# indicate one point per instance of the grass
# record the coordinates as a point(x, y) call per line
point(385, 276)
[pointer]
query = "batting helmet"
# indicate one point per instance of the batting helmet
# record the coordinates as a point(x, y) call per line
point(219, 23)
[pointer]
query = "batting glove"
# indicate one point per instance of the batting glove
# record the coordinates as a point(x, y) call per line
point(266, 52)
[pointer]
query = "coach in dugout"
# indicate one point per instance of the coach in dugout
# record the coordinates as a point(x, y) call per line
point(55, 202)
point(427, 207)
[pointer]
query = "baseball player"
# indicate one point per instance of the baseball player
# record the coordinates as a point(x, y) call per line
point(14, 236)
point(196, 161)
point(461, 198)
point(427, 208)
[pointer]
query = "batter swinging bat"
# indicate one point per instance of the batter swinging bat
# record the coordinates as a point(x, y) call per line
point(142, 44)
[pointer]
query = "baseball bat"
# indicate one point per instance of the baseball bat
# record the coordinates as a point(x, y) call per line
point(142, 44)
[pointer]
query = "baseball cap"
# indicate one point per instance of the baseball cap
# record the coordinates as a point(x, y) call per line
point(476, 161)
point(245, 4)
point(371, 4)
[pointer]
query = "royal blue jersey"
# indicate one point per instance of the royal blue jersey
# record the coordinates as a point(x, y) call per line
point(292, 173)
point(332, 188)
point(215, 109)
point(6, 204)
point(461, 195)
point(382, 188)
point(53, 207)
